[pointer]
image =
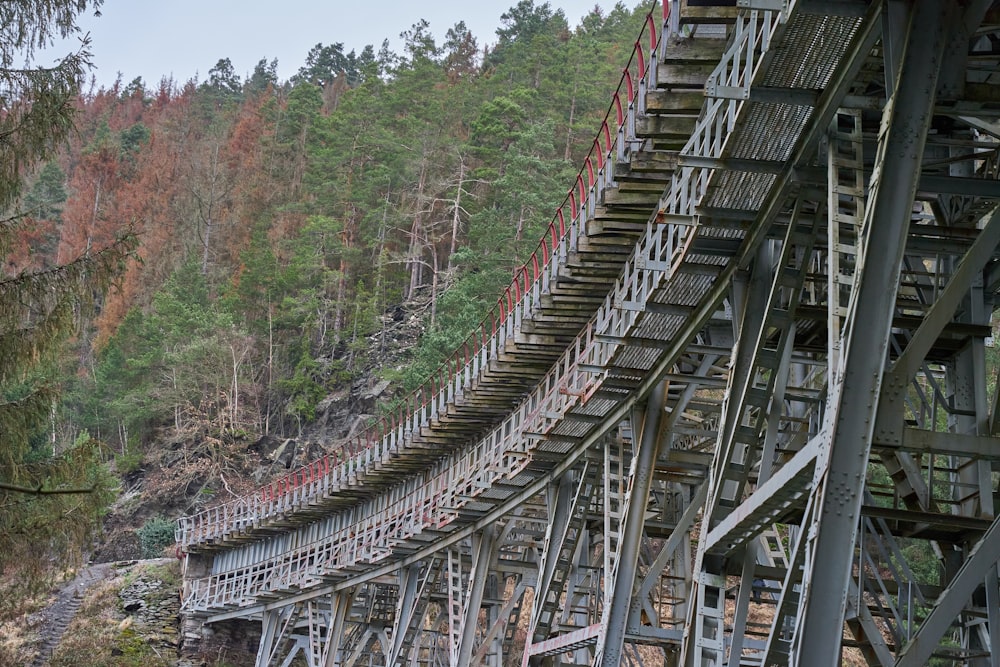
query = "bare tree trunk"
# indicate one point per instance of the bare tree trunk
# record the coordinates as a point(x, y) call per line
point(338, 309)
point(52, 426)
point(416, 250)
point(380, 269)
point(346, 242)
point(207, 210)
point(321, 323)
point(177, 406)
point(346, 238)
point(270, 368)
point(93, 217)
point(234, 401)
point(354, 338)
point(434, 283)
point(520, 226)
point(456, 219)
point(569, 127)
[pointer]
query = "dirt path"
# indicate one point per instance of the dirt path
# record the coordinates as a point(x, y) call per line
point(58, 615)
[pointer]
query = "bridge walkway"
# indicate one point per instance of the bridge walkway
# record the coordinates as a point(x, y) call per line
point(551, 298)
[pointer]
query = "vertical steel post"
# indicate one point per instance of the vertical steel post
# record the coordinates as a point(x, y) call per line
point(974, 494)
point(340, 605)
point(269, 631)
point(409, 578)
point(850, 421)
point(634, 519)
point(483, 544)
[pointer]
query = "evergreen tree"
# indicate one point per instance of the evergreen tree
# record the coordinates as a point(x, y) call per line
point(264, 74)
point(47, 195)
point(50, 492)
point(461, 52)
point(308, 209)
point(325, 64)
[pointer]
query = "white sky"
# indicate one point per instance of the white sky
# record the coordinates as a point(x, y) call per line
point(184, 38)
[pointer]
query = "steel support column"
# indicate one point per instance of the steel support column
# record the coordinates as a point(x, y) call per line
point(628, 553)
point(340, 605)
point(277, 625)
point(406, 607)
point(483, 552)
point(268, 636)
point(567, 502)
point(973, 494)
point(850, 420)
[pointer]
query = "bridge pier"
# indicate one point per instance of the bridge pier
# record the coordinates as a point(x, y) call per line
point(194, 566)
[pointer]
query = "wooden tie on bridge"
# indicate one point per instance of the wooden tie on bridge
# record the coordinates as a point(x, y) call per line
point(750, 349)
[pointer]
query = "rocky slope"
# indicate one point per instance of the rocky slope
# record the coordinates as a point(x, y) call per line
point(181, 473)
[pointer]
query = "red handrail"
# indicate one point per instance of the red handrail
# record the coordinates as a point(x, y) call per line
point(499, 312)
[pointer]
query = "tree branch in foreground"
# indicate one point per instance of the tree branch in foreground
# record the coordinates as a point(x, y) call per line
point(39, 491)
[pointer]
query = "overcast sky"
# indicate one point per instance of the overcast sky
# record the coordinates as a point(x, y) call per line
point(184, 38)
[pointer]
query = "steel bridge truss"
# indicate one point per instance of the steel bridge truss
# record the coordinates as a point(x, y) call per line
point(772, 444)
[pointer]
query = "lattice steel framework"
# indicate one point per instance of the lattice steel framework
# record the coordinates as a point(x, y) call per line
point(773, 441)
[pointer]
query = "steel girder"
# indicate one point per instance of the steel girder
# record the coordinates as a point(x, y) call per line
point(904, 362)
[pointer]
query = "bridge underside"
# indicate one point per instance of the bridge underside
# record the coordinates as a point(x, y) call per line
point(773, 441)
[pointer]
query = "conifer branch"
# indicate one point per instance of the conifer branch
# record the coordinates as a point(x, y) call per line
point(39, 491)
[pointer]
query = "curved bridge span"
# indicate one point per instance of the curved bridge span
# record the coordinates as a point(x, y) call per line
point(739, 408)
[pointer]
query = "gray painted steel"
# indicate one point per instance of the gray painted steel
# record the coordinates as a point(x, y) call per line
point(811, 190)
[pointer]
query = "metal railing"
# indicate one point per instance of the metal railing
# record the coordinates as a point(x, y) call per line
point(327, 475)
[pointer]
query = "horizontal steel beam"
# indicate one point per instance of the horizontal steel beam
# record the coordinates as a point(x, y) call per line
point(917, 441)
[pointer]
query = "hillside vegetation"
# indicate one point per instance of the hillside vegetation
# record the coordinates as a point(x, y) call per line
point(299, 252)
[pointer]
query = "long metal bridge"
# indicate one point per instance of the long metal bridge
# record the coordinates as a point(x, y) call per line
point(739, 407)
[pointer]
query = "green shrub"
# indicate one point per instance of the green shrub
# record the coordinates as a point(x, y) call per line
point(154, 535)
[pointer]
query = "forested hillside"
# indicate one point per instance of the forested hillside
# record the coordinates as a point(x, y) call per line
point(279, 220)
point(280, 225)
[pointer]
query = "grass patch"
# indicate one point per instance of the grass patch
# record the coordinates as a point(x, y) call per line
point(102, 634)
point(21, 622)
point(169, 573)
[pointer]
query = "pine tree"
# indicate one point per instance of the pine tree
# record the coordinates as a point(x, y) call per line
point(50, 492)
